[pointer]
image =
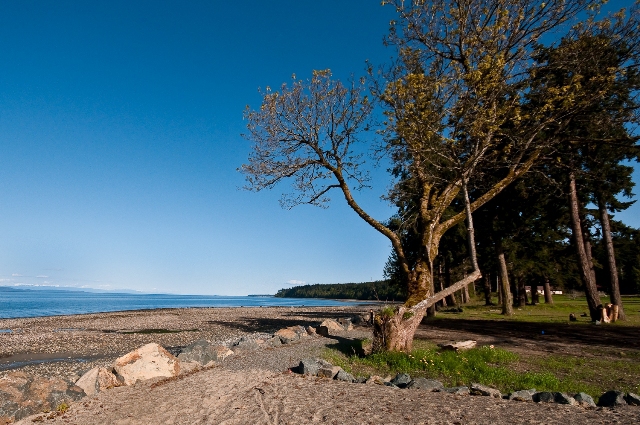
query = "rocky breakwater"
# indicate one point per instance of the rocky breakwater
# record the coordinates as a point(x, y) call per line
point(322, 369)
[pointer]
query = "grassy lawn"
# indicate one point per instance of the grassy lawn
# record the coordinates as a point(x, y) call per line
point(592, 368)
point(558, 312)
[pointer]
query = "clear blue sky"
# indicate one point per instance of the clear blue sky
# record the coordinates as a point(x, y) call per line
point(120, 138)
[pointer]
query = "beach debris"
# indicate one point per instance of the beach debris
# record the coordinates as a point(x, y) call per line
point(24, 395)
point(458, 346)
point(374, 380)
point(96, 380)
point(147, 362)
point(478, 389)
point(612, 399)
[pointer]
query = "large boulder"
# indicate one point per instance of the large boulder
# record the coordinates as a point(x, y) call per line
point(401, 380)
point(23, 395)
point(200, 351)
point(584, 400)
point(612, 399)
point(291, 334)
point(96, 380)
point(522, 395)
point(332, 325)
point(147, 362)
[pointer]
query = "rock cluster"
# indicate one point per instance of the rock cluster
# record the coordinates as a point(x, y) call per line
point(323, 369)
point(23, 395)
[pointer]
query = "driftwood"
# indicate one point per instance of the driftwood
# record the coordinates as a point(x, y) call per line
point(458, 346)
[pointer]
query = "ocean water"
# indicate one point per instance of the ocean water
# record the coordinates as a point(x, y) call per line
point(36, 303)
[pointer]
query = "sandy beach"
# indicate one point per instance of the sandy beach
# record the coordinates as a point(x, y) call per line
point(249, 388)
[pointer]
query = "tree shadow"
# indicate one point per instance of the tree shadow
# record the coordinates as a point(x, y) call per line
point(611, 335)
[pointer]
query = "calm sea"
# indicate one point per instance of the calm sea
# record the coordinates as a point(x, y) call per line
point(34, 303)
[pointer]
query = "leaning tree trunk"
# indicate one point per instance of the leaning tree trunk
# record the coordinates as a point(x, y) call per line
point(586, 270)
point(548, 296)
point(507, 307)
point(611, 258)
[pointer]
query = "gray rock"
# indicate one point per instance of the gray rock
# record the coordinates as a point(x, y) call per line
point(426, 384)
point(346, 324)
point(401, 380)
point(478, 389)
point(562, 398)
point(612, 399)
point(200, 351)
point(360, 380)
point(389, 384)
point(328, 371)
point(457, 390)
point(23, 395)
point(633, 399)
point(245, 344)
point(584, 400)
point(544, 397)
point(308, 367)
point(522, 395)
point(344, 376)
point(274, 342)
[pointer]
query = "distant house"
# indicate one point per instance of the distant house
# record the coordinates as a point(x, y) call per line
point(541, 290)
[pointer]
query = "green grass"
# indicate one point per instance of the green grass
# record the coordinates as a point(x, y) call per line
point(593, 369)
point(558, 312)
point(484, 365)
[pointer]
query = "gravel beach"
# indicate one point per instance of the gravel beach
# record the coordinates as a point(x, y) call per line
point(248, 388)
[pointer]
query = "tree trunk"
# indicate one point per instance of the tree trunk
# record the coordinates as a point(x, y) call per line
point(507, 308)
point(499, 289)
point(465, 295)
point(593, 299)
point(535, 298)
point(611, 258)
point(394, 330)
point(522, 294)
point(487, 289)
point(548, 296)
